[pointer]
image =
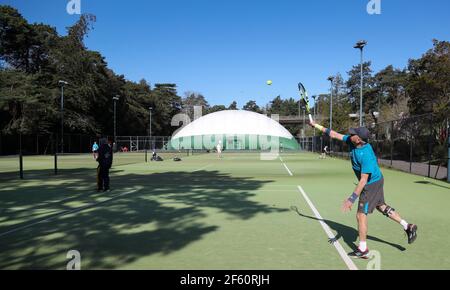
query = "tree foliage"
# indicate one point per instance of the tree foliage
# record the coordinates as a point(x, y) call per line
point(34, 58)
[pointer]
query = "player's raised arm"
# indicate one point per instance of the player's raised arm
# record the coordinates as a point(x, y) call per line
point(329, 132)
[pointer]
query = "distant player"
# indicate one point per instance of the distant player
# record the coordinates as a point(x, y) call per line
point(94, 150)
point(324, 153)
point(219, 149)
point(370, 188)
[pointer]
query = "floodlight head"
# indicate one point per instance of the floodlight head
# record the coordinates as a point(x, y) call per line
point(360, 44)
point(331, 79)
point(116, 98)
point(150, 108)
point(63, 83)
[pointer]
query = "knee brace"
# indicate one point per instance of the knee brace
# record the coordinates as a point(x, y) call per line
point(387, 211)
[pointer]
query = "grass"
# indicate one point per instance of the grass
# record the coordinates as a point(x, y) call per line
point(238, 212)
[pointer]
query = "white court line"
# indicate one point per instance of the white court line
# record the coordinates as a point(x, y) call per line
point(290, 173)
point(285, 166)
point(202, 168)
point(52, 217)
point(326, 228)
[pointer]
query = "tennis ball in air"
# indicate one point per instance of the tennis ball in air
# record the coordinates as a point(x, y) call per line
point(269, 82)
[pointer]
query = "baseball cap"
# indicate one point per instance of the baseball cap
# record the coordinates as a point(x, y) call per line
point(362, 132)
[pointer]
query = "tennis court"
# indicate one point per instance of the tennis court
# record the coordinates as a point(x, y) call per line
point(239, 212)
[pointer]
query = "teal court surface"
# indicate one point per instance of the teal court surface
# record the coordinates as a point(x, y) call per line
point(238, 212)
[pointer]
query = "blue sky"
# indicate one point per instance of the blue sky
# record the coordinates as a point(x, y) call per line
point(227, 50)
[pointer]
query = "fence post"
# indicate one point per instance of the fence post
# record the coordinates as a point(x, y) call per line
point(448, 152)
point(430, 146)
point(20, 157)
point(331, 146)
point(410, 154)
point(56, 156)
point(321, 144)
point(392, 141)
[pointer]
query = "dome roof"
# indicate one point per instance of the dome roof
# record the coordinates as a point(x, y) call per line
point(234, 122)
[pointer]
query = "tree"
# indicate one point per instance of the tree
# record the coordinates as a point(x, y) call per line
point(252, 107)
point(192, 99)
point(164, 96)
point(353, 85)
point(289, 107)
point(276, 106)
point(233, 106)
point(23, 105)
point(24, 46)
point(428, 82)
point(389, 87)
point(216, 108)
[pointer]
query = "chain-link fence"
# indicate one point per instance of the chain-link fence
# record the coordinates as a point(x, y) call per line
point(45, 144)
point(50, 154)
point(139, 143)
point(417, 145)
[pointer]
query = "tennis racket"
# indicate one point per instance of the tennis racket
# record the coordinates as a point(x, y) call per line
point(304, 99)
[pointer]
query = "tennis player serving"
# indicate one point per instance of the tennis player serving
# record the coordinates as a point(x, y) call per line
point(370, 187)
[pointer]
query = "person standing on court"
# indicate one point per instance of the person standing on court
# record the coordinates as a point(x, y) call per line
point(94, 150)
point(219, 149)
point(105, 160)
point(370, 189)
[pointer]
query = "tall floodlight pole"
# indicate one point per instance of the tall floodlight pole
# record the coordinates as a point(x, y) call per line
point(304, 127)
point(150, 109)
point(115, 99)
point(360, 45)
point(331, 79)
point(62, 84)
point(314, 129)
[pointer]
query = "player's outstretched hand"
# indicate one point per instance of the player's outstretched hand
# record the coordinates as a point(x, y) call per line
point(347, 206)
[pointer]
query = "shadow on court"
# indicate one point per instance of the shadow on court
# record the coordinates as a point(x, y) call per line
point(348, 234)
point(148, 214)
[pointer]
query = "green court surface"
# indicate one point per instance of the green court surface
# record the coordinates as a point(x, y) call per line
point(238, 212)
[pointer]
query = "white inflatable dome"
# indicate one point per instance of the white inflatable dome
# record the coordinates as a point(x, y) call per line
point(245, 124)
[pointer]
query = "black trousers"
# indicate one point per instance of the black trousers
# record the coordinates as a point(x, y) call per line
point(102, 177)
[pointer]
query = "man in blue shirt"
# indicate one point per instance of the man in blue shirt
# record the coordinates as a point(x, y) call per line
point(370, 187)
point(95, 150)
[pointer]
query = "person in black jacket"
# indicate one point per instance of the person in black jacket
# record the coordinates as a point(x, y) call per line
point(105, 160)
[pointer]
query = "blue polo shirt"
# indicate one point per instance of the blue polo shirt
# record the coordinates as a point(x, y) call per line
point(364, 161)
